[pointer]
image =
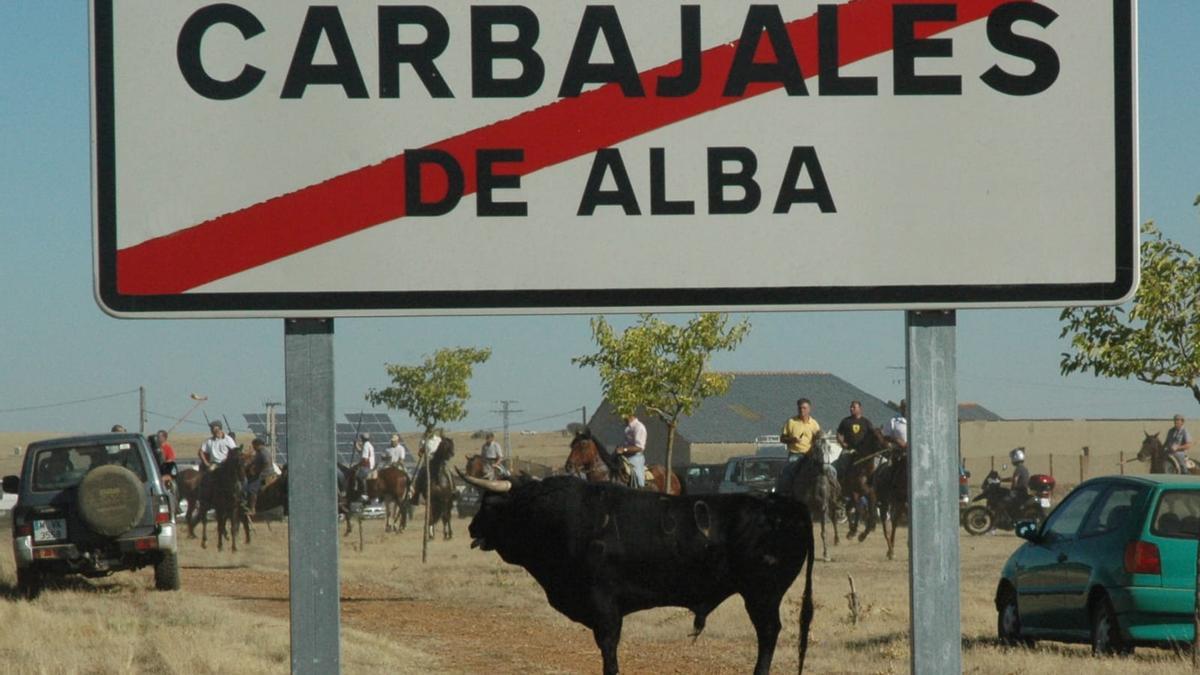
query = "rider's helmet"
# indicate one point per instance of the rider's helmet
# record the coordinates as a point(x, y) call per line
point(1017, 455)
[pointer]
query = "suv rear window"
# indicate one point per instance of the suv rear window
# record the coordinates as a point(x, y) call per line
point(59, 468)
point(1177, 515)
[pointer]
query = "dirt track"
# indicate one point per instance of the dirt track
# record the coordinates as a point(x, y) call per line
point(529, 644)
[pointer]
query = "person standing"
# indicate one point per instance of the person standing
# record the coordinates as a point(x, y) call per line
point(800, 431)
point(1178, 442)
point(168, 453)
point(853, 428)
point(215, 449)
point(633, 449)
point(493, 456)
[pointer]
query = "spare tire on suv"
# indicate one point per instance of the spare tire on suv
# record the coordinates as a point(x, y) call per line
point(111, 500)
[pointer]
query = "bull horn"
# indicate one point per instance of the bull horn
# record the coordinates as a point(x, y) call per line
point(483, 484)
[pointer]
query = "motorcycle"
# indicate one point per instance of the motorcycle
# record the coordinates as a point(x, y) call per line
point(997, 512)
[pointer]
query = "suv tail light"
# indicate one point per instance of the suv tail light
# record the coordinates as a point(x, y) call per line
point(1142, 558)
point(163, 514)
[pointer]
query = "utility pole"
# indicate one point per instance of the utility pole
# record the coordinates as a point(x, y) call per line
point(271, 426)
point(506, 410)
point(142, 410)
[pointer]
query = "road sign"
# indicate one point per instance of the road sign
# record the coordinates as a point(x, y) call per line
point(346, 158)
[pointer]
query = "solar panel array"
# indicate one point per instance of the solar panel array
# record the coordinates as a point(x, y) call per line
point(379, 425)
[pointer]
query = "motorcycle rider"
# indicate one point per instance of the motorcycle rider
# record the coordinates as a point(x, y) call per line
point(1019, 480)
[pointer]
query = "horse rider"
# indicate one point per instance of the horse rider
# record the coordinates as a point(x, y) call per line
point(258, 469)
point(853, 428)
point(1178, 442)
point(493, 457)
point(896, 429)
point(634, 450)
point(395, 453)
point(798, 434)
point(365, 464)
point(215, 449)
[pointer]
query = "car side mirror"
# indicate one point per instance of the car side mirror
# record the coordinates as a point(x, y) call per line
point(1027, 529)
point(12, 484)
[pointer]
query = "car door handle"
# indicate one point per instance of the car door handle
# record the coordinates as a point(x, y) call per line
point(1062, 557)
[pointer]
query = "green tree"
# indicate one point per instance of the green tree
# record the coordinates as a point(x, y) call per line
point(432, 393)
point(1157, 340)
point(662, 367)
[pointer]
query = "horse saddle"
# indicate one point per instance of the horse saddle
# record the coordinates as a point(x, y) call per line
point(627, 474)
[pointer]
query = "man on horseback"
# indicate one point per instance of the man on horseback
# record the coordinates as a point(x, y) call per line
point(798, 434)
point(1178, 442)
point(493, 456)
point(366, 463)
point(634, 450)
point(258, 469)
point(215, 449)
point(853, 428)
point(395, 453)
point(896, 429)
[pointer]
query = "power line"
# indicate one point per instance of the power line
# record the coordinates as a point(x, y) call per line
point(66, 403)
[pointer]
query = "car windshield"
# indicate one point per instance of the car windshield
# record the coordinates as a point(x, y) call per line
point(58, 468)
point(1178, 514)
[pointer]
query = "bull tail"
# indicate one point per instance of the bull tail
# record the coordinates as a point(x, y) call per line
point(806, 604)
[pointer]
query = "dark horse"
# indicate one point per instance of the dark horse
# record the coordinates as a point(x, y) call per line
point(348, 493)
point(891, 492)
point(1161, 461)
point(221, 489)
point(815, 483)
point(856, 472)
point(590, 460)
point(441, 493)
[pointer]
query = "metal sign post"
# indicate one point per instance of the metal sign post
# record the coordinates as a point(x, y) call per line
point(936, 635)
point(313, 584)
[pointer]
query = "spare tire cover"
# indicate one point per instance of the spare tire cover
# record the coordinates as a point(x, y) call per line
point(111, 500)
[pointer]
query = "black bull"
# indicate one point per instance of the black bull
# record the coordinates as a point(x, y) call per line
point(602, 551)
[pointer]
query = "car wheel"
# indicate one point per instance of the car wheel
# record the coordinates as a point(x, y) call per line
point(1008, 620)
point(111, 500)
point(30, 582)
point(166, 572)
point(977, 519)
point(1106, 632)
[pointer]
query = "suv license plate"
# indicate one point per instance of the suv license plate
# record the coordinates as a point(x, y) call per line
point(49, 530)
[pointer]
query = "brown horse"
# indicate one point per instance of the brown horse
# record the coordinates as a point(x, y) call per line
point(856, 472)
point(390, 486)
point(441, 493)
point(1161, 460)
point(590, 460)
point(891, 492)
point(188, 485)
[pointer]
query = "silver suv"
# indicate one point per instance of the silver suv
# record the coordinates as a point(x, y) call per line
point(91, 505)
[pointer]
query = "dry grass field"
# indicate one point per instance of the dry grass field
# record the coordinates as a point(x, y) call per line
point(466, 611)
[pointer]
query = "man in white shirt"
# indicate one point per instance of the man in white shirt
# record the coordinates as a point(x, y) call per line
point(634, 450)
point(215, 449)
point(897, 427)
point(366, 463)
point(396, 452)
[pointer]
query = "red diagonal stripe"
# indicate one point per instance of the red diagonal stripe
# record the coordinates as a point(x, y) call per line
point(555, 133)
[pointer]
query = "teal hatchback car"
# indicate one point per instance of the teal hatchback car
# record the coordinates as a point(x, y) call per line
point(1114, 565)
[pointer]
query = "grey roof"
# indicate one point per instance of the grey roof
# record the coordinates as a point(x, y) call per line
point(973, 412)
point(759, 403)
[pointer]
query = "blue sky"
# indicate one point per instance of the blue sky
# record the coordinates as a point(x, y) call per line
point(56, 346)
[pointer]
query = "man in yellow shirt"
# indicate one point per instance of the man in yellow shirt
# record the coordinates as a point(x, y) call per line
point(799, 431)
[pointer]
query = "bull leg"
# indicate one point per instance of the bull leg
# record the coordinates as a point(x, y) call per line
point(608, 636)
point(764, 614)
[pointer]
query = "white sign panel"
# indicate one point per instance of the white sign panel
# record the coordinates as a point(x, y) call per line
point(266, 158)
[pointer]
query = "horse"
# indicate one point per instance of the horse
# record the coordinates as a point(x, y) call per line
point(856, 471)
point(1161, 461)
point(390, 486)
point(442, 493)
point(891, 492)
point(591, 461)
point(187, 482)
point(348, 492)
point(814, 482)
point(222, 490)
